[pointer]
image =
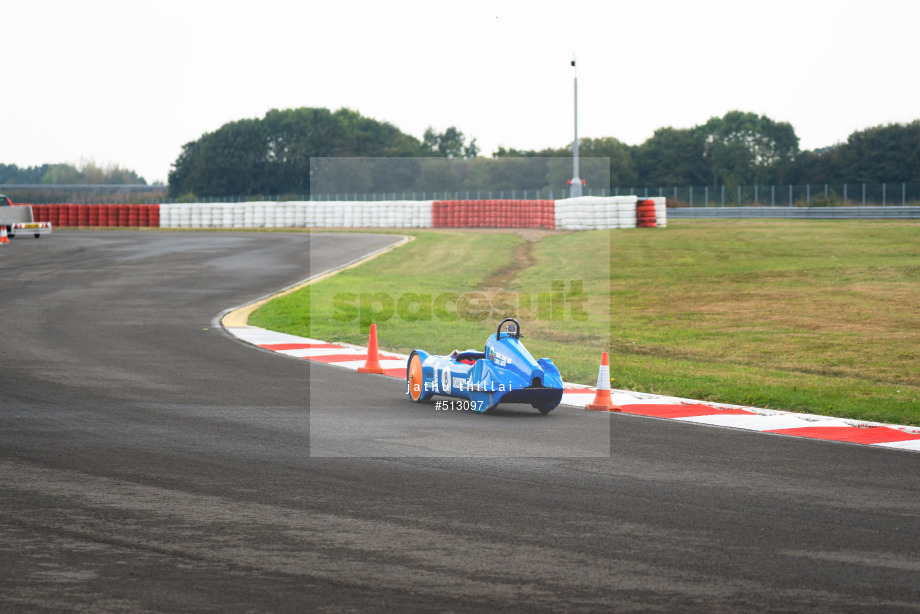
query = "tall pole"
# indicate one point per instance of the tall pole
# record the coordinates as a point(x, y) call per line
point(576, 181)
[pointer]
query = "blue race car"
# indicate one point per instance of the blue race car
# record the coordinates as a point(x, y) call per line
point(504, 373)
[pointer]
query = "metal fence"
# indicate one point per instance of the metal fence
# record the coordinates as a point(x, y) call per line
point(806, 195)
point(457, 195)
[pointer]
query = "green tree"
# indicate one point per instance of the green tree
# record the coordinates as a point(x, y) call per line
point(273, 155)
point(394, 173)
point(622, 167)
point(10, 173)
point(819, 166)
point(293, 136)
point(438, 174)
point(881, 154)
point(672, 157)
point(517, 173)
point(61, 174)
point(747, 148)
point(448, 144)
point(230, 160)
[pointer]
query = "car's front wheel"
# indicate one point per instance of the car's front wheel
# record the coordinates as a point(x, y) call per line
point(415, 380)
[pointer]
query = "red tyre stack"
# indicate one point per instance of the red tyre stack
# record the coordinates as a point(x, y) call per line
point(441, 210)
point(134, 216)
point(40, 213)
point(645, 214)
point(549, 207)
point(439, 214)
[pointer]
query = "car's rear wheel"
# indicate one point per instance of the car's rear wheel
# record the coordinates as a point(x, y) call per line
point(415, 380)
point(545, 407)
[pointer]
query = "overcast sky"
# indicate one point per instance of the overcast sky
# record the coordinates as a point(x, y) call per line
point(129, 83)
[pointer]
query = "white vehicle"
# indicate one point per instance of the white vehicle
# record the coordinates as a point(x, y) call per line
point(18, 218)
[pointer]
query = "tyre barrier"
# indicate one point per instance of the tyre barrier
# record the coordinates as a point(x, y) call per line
point(601, 212)
point(493, 214)
point(97, 216)
point(645, 214)
point(585, 213)
point(298, 214)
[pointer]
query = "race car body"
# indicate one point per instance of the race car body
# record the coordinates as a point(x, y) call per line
point(504, 373)
point(19, 219)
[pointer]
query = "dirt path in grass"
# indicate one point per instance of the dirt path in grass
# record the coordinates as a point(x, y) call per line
point(522, 257)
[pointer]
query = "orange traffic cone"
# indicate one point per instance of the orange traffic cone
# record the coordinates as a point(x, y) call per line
point(3, 237)
point(602, 400)
point(372, 364)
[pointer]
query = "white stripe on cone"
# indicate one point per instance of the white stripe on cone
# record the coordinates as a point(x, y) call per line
point(603, 378)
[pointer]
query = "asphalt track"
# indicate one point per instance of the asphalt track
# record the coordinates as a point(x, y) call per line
point(150, 462)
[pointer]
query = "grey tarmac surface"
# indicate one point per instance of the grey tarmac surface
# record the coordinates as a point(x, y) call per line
point(151, 463)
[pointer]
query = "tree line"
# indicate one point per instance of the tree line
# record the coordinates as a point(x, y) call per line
point(273, 155)
point(315, 150)
point(86, 173)
point(746, 149)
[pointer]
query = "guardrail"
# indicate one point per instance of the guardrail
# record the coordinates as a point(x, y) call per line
point(798, 213)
